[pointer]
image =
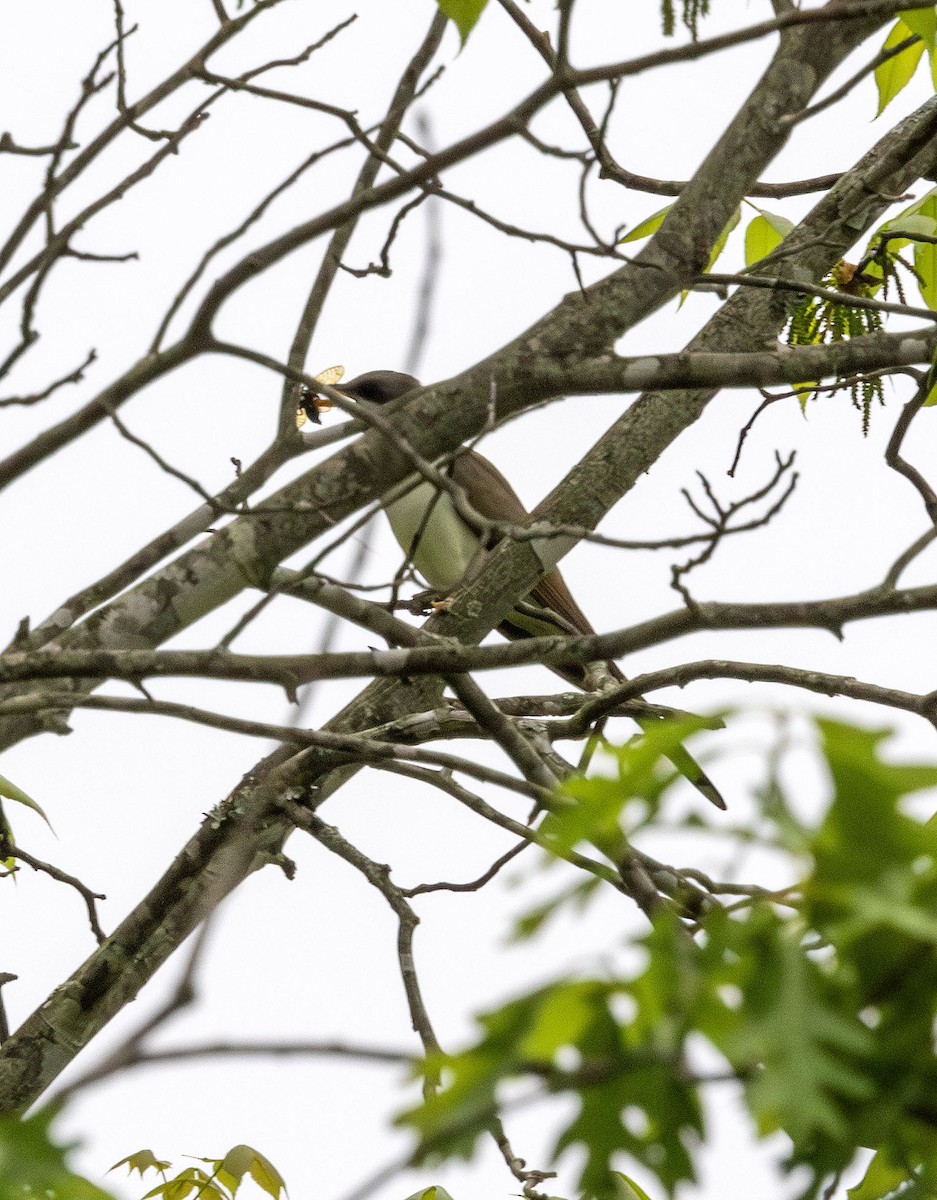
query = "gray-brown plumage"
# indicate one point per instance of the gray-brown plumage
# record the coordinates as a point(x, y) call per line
point(443, 545)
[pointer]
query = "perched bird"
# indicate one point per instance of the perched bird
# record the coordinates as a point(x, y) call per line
point(442, 546)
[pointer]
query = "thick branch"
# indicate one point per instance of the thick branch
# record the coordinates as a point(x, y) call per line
point(636, 441)
point(425, 654)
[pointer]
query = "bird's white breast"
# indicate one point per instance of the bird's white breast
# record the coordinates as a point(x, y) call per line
point(446, 544)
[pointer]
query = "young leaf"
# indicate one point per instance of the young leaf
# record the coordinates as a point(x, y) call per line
point(140, 1161)
point(244, 1160)
point(648, 226)
point(923, 22)
point(34, 1165)
point(918, 218)
point(895, 74)
point(465, 13)
point(923, 205)
point(190, 1182)
point(718, 246)
point(720, 243)
point(881, 1179)
point(764, 234)
point(925, 263)
point(11, 792)
point(627, 1188)
point(805, 390)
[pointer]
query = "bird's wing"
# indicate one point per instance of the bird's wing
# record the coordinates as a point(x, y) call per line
point(492, 495)
point(488, 490)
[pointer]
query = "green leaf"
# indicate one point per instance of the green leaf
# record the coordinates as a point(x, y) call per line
point(648, 226)
point(919, 218)
point(805, 390)
point(534, 919)
point(190, 1182)
point(664, 1120)
point(643, 776)
point(764, 234)
point(244, 1160)
point(909, 221)
point(865, 835)
point(430, 1193)
point(627, 1188)
point(34, 1167)
point(873, 890)
point(895, 74)
point(11, 792)
point(464, 13)
point(140, 1161)
point(803, 1051)
point(718, 247)
point(531, 1033)
point(595, 817)
point(720, 242)
point(925, 263)
point(634, 1096)
point(882, 1177)
point(923, 22)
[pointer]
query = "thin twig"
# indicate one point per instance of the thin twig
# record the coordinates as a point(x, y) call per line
point(476, 884)
point(75, 376)
point(378, 874)
point(86, 893)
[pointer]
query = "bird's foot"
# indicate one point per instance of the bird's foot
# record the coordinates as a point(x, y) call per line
point(429, 601)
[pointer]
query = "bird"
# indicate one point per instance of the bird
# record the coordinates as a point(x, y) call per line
point(443, 547)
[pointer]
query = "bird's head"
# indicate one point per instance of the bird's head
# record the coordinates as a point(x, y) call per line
point(380, 387)
point(374, 387)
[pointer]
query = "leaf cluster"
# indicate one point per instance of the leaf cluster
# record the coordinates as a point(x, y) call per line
point(221, 1182)
point(894, 74)
point(692, 13)
point(34, 1166)
point(816, 321)
point(821, 1008)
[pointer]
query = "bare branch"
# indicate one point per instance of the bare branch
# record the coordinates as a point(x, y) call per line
point(75, 376)
point(378, 874)
point(9, 146)
point(86, 893)
point(824, 683)
point(404, 95)
point(901, 465)
point(425, 654)
point(476, 884)
point(99, 144)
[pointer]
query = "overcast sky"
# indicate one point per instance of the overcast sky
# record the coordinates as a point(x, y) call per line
point(314, 958)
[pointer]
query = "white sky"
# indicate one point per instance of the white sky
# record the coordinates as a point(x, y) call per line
point(315, 958)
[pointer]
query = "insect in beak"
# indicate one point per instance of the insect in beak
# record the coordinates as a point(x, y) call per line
point(311, 404)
